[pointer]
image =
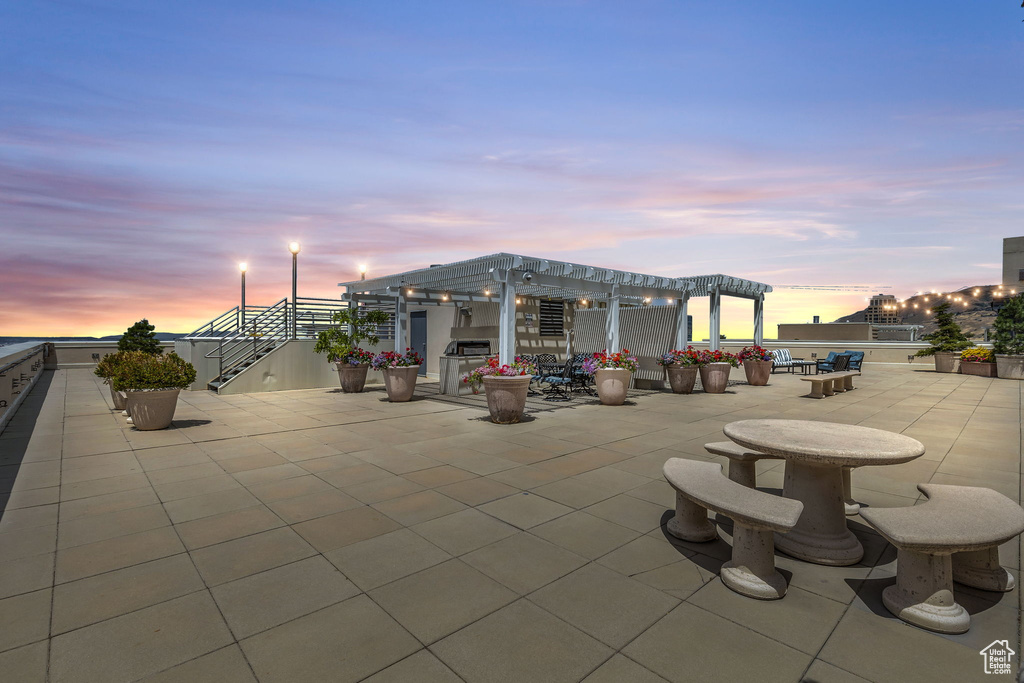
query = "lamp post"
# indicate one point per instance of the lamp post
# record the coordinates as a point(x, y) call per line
point(294, 248)
point(362, 272)
point(243, 266)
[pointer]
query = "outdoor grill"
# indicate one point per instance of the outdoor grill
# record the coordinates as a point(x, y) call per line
point(469, 347)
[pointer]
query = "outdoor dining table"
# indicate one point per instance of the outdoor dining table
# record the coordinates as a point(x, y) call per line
point(815, 455)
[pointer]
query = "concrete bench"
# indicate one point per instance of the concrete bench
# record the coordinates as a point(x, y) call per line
point(954, 536)
point(741, 461)
point(700, 486)
point(831, 383)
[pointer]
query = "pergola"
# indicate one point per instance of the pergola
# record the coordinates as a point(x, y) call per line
point(502, 277)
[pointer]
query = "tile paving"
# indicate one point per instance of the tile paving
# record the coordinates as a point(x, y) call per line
point(313, 535)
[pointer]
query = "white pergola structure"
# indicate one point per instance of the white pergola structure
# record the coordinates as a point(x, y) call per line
point(502, 277)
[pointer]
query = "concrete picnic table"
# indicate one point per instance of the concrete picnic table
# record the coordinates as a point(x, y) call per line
point(815, 455)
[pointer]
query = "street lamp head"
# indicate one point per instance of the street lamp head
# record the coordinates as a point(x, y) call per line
point(243, 266)
point(293, 247)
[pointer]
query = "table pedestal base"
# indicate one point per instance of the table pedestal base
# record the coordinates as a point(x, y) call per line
point(821, 535)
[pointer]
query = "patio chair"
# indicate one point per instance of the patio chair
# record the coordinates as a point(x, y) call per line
point(782, 359)
point(856, 358)
point(828, 363)
point(559, 386)
point(530, 391)
point(581, 379)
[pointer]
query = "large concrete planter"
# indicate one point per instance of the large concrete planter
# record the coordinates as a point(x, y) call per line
point(947, 361)
point(353, 377)
point(152, 409)
point(506, 398)
point(612, 385)
point(400, 382)
point(119, 398)
point(758, 372)
point(1010, 367)
point(978, 369)
point(715, 377)
point(682, 378)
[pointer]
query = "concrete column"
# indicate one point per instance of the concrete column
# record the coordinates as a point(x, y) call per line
point(759, 320)
point(401, 324)
point(716, 319)
point(611, 337)
point(681, 341)
point(507, 321)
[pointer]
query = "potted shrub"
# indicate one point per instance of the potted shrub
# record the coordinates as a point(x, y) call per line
point(757, 365)
point(341, 344)
point(681, 368)
point(612, 374)
point(714, 370)
point(152, 383)
point(506, 387)
point(980, 362)
point(946, 342)
point(140, 337)
point(400, 371)
point(1008, 342)
point(106, 369)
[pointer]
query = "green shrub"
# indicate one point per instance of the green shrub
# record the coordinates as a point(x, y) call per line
point(341, 343)
point(140, 337)
point(108, 367)
point(1009, 328)
point(138, 371)
point(949, 336)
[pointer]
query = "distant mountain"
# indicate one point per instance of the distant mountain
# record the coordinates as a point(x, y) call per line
point(974, 315)
point(162, 336)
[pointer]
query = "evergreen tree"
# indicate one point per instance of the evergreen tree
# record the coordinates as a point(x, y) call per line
point(948, 337)
point(1009, 328)
point(140, 337)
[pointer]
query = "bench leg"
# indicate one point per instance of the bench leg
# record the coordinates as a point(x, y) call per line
point(852, 506)
point(981, 569)
point(691, 522)
point(838, 386)
point(923, 594)
point(743, 473)
point(751, 571)
point(816, 389)
point(848, 383)
point(826, 387)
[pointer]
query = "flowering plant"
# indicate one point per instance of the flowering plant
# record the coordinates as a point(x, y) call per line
point(518, 368)
point(708, 357)
point(688, 356)
point(978, 356)
point(393, 359)
point(609, 361)
point(356, 356)
point(754, 352)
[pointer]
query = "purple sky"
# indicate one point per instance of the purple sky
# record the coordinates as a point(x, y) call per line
point(146, 148)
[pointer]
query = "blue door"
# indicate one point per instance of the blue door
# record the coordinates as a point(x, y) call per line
point(418, 336)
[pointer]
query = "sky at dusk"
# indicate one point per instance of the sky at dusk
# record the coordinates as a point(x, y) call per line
point(146, 148)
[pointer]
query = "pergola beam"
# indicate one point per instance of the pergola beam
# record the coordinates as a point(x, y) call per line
point(535, 279)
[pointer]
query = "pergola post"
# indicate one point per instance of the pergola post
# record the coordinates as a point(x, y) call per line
point(507, 320)
point(401, 324)
point(682, 329)
point(716, 318)
point(611, 323)
point(759, 320)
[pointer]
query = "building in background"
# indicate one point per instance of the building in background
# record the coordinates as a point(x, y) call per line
point(883, 309)
point(849, 332)
point(1013, 262)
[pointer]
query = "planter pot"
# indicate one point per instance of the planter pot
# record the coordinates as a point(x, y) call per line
point(979, 369)
point(715, 377)
point(353, 377)
point(758, 372)
point(682, 378)
point(506, 398)
point(612, 385)
point(400, 382)
point(1010, 367)
point(947, 361)
point(152, 409)
point(119, 398)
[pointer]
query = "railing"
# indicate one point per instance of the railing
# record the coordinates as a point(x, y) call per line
point(17, 377)
point(262, 332)
point(226, 323)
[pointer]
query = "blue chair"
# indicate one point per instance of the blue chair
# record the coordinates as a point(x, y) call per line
point(856, 358)
point(560, 386)
point(829, 363)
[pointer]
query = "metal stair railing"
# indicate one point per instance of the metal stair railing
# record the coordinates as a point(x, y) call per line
point(263, 332)
point(225, 323)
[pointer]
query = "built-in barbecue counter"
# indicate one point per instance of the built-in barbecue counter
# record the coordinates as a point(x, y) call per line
point(460, 357)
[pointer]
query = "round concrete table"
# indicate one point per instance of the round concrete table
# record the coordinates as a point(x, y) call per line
point(815, 455)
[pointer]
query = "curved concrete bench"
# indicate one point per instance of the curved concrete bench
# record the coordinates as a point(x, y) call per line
point(954, 536)
point(831, 383)
point(700, 487)
point(741, 461)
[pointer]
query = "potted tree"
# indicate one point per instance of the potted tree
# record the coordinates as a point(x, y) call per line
point(152, 384)
point(681, 368)
point(506, 387)
point(341, 344)
point(714, 370)
point(947, 341)
point(757, 365)
point(140, 337)
point(612, 374)
point(400, 371)
point(1008, 342)
point(980, 362)
point(106, 369)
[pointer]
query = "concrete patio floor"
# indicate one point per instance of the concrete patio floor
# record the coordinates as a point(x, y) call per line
point(313, 535)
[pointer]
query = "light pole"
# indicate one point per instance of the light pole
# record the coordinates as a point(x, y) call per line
point(243, 266)
point(362, 272)
point(294, 248)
